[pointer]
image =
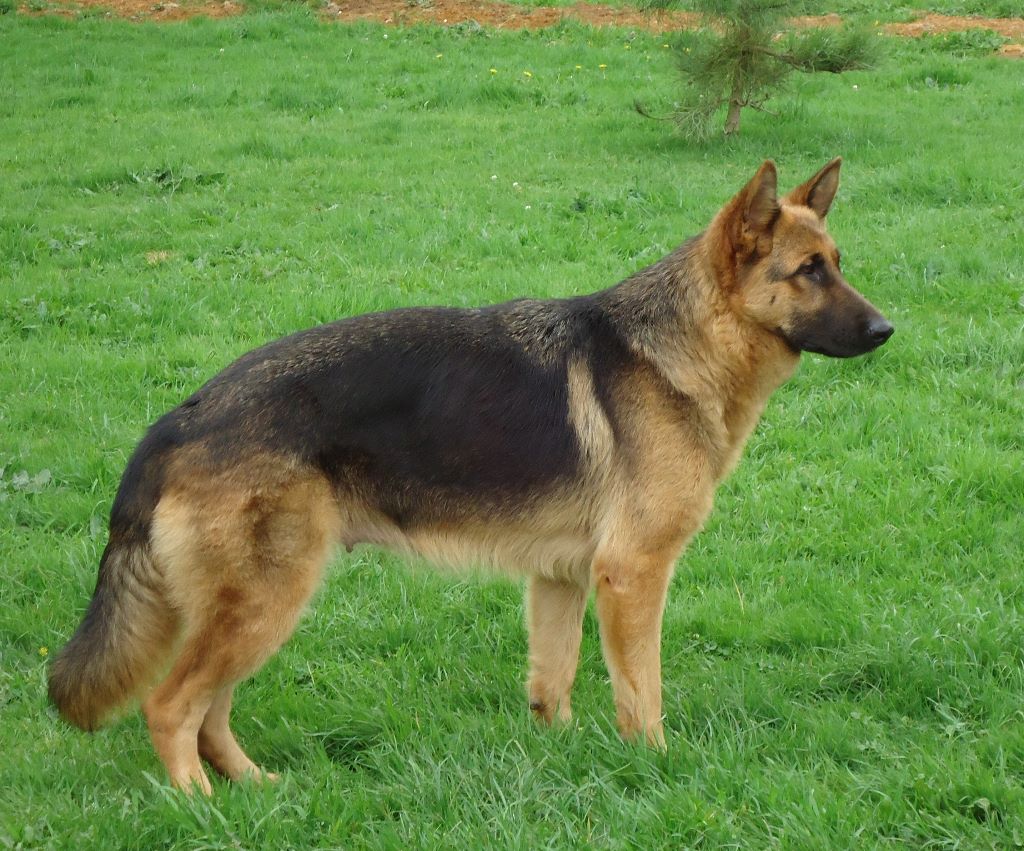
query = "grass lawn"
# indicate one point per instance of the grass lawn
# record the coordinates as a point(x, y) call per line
point(844, 643)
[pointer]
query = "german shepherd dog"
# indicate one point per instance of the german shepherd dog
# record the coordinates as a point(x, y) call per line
point(577, 442)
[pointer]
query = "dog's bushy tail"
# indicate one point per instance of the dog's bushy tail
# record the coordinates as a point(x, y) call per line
point(123, 640)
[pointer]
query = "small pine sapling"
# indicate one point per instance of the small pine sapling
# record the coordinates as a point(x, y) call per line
point(745, 56)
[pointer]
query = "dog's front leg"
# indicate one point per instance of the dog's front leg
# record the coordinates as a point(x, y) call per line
point(554, 616)
point(630, 602)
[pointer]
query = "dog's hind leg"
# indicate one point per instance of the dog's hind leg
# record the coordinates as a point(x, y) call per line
point(555, 623)
point(175, 710)
point(188, 712)
point(241, 566)
point(218, 746)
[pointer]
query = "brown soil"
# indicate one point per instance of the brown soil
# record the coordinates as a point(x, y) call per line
point(509, 16)
point(932, 24)
point(506, 15)
point(137, 10)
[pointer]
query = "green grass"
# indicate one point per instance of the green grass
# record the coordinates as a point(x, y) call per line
point(862, 10)
point(843, 643)
point(889, 11)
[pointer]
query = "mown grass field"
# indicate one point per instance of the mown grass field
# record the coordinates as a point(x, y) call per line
point(844, 643)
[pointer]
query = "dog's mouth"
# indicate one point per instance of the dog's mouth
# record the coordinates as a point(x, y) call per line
point(823, 340)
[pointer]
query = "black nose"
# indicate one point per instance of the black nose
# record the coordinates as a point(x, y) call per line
point(879, 330)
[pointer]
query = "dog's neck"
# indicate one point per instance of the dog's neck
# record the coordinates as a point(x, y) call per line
point(679, 321)
point(744, 363)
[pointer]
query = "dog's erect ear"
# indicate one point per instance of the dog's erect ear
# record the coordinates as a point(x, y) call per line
point(746, 224)
point(760, 206)
point(818, 192)
point(749, 219)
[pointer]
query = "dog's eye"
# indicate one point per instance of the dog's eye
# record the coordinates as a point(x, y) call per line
point(809, 270)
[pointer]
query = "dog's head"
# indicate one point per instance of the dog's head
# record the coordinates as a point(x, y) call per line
point(781, 267)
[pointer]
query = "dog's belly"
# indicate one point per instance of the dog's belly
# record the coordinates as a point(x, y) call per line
point(557, 554)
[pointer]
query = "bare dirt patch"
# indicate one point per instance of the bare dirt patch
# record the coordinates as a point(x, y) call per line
point(511, 16)
point(506, 15)
point(930, 23)
point(934, 24)
point(138, 10)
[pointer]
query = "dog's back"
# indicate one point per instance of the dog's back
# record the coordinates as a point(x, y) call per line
point(408, 409)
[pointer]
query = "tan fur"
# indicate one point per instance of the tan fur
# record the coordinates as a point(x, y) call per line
point(586, 416)
point(242, 552)
point(630, 590)
point(554, 619)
